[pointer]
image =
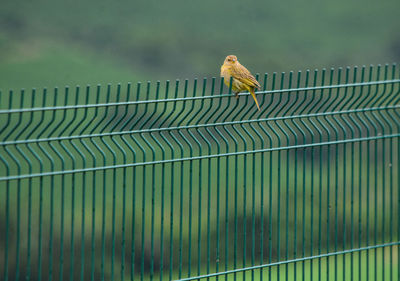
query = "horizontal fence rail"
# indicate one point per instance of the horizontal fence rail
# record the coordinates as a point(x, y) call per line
point(182, 181)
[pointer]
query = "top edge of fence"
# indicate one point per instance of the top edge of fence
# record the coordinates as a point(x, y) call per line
point(119, 84)
point(287, 90)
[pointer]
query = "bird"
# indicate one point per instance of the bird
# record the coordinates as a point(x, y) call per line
point(242, 79)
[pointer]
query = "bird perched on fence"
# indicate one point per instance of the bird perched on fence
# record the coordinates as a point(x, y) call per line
point(242, 80)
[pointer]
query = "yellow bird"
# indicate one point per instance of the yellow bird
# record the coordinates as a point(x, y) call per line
point(242, 80)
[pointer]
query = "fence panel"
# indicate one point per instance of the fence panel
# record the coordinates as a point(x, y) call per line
point(180, 180)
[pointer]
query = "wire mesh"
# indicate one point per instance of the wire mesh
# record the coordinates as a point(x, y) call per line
point(180, 180)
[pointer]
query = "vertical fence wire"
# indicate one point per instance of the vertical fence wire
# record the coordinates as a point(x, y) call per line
point(182, 180)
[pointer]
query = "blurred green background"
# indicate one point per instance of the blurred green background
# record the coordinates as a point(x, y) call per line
point(48, 43)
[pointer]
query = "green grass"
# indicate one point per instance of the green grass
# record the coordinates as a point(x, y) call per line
point(376, 264)
point(46, 64)
point(48, 44)
point(74, 186)
point(96, 42)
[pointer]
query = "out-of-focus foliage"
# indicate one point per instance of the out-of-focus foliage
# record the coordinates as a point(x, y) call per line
point(47, 43)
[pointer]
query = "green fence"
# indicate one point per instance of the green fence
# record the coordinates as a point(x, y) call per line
point(180, 180)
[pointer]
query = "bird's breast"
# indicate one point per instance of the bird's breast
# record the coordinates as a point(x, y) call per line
point(225, 73)
point(236, 84)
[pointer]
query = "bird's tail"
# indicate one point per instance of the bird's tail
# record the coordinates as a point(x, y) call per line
point(254, 97)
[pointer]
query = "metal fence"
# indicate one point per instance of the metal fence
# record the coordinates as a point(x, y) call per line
point(180, 180)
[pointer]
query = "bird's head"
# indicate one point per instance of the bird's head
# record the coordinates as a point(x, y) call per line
point(231, 59)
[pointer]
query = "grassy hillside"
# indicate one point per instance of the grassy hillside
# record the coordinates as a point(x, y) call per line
point(117, 222)
point(98, 42)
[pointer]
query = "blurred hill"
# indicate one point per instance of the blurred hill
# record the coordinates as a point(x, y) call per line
point(51, 43)
point(48, 43)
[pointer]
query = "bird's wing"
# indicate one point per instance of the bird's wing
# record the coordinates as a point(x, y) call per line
point(243, 75)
